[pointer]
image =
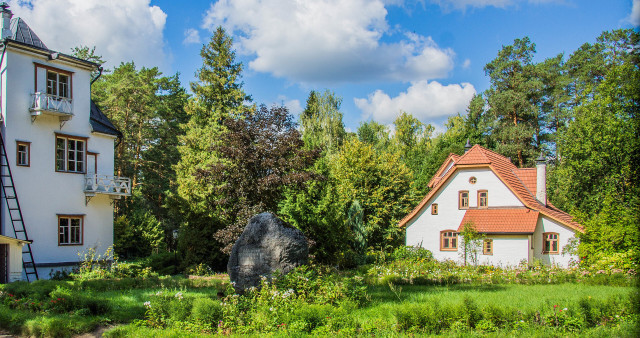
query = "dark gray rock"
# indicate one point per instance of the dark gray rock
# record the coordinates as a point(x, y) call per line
point(267, 244)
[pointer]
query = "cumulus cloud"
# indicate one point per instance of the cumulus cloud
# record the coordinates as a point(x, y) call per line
point(466, 64)
point(327, 41)
point(191, 36)
point(634, 17)
point(425, 100)
point(120, 30)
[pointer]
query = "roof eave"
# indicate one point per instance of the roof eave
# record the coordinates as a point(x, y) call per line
point(84, 64)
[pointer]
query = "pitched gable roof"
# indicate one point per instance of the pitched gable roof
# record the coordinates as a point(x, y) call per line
point(508, 174)
point(100, 123)
point(21, 32)
point(509, 220)
point(451, 159)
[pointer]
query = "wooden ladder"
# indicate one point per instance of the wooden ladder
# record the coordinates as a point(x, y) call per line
point(15, 213)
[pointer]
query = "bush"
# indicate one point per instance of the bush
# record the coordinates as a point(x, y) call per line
point(206, 311)
point(164, 263)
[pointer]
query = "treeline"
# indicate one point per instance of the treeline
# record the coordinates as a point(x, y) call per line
point(202, 164)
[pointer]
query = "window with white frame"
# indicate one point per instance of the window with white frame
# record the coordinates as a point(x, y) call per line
point(58, 84)
point(70, 229)
point(70, 154)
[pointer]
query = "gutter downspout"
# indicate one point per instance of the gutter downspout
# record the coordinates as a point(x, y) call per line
point(97, 77)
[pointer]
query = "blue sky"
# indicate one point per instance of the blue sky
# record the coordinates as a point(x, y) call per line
point(381, 56)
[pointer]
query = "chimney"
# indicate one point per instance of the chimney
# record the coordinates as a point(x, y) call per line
point(6, 21)
point(467, 146)
point(541, 179)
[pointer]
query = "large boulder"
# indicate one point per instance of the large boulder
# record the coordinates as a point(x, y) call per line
point(267, 244)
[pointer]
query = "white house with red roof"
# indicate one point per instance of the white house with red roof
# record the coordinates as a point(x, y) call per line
point(508, 205)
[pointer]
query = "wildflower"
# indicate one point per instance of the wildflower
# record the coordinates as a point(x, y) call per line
point(271, 309)
point(147, 304)
point(158, 293)
point(555, 306)
point(179, 295)
point(565, 309)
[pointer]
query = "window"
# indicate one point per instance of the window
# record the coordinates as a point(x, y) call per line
point(448, 240)
point(434, 208)
point(70, 229)
point(473, 180)
point(463, 200)
point(487, 247)
point(70, 154)
point(58, 84)
point(550, 242)
point(23, 153)
point(483, 199)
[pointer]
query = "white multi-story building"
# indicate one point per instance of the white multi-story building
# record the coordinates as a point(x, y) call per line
point(58, 157)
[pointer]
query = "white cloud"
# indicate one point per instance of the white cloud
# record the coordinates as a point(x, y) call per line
point(191, 36)
point(466, 64)
point(327, 41)
point(425, 100)
point(120, 30)
point(294, 107)
point(634, 17)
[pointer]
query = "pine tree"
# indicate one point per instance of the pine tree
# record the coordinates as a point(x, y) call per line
point(218, 95)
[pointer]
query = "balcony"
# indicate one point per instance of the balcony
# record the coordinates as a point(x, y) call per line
point(114, 186)
point(44, 103)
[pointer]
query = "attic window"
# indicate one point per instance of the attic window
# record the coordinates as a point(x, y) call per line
point(463, 199)
point(473, 180)
point(434, 208)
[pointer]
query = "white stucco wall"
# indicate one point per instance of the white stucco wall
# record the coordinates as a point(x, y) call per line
point(43, 192)
point(424, 229)
point(508, 250)
point(546, 224)
point(15, 259)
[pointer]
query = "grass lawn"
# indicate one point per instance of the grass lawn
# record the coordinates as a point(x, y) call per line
point(498, 309)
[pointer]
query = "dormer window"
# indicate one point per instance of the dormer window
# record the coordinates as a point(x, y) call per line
point(58, 84)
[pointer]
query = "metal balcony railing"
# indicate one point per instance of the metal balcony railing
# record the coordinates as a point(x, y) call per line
point(51, 104)
point(107, 184)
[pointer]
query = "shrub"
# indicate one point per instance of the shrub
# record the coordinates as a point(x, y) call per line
point(206, 310)
point(164, 263)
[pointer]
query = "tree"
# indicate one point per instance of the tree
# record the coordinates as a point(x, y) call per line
point(375, 134)
point(262, 155)
point(513, 99)
point(321, 122)
point(597, 177)
point(356, 224)
point(147, 108)
point(381, 183)
point(217, 96)
point(411, 141)
point(471, 242)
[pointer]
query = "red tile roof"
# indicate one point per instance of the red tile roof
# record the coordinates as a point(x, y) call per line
point(511, 220)
point(519, 182)
point(528, 177)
